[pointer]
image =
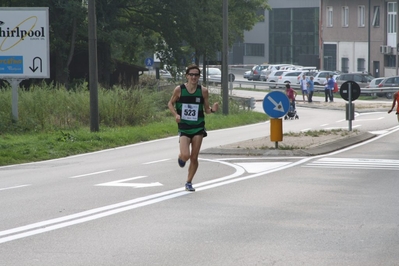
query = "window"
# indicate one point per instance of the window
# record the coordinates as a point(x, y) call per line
point(329, 16)
point(345, 16)
point(361, 64)
point(345, 65)
point(391, 17)
point(376, 17)
point(254, 49)
point(361, 16)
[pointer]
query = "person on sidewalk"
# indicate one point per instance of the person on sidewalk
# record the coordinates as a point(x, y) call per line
point(326, 92)
point(395, 102)
point(188, 104)
point(310, 85)
point(304, 88)
point(291, 94)
point(330, 88)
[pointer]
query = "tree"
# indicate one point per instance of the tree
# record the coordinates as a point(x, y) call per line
point(129, 30)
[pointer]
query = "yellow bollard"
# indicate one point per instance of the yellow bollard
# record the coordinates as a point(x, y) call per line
point(276, 129)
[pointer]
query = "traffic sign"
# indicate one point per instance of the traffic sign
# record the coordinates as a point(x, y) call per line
point(344, 90)
point(276, 104)
point(149, 62)
point(24, 42)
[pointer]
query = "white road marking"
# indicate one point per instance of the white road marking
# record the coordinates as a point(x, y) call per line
point(61, 222)
point(380, 132)
point(369, 119)
point(121, 183)
point(331, 128)
point(361, 163)
point(159, 161)
point(7, 188)
point(89, 174)
point(89, 215)
point(258, 167)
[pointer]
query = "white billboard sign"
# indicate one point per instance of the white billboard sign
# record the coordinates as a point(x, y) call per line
point(24, 43)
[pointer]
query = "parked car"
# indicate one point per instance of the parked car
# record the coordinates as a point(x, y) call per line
point(273, 77)
point(388, 82)
point(363, 79)
point(288, 77)
point(255, 72)
point(372, 85)
point(246, 74)
point(320, 77)
point(374, 82)
point(214, 75)
point(264, 74)
point(271, 68)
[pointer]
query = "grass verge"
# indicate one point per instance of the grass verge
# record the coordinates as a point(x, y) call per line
point(31, 147)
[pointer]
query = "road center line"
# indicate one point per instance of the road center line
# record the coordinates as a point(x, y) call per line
point(61, 222)
point(89, 174)
point(7, 188)
point(164, 160)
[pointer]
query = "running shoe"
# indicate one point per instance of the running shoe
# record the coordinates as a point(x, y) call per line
point(181, 162)
point(189, 187)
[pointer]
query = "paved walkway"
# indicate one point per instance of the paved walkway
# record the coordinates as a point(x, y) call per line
point(379, 104)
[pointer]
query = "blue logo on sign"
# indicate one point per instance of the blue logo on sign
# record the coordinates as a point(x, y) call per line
point(11, 65)
point(149, 61)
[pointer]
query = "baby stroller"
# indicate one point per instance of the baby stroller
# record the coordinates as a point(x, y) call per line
point(291, 114)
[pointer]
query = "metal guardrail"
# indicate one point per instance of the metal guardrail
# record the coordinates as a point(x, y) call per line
point(318, 88)
point(246, 102)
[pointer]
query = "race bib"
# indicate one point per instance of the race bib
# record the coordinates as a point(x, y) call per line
point(189, 112)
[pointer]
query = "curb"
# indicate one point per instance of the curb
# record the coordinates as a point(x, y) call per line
point(319, 150)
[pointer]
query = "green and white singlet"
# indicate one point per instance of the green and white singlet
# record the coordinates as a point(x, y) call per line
point(190, 107)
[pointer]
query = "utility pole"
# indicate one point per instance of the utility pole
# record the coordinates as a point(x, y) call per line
point(369, 39)
point(225, 49)
point(93, 68)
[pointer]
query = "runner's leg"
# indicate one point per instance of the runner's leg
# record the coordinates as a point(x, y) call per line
point(196, 143)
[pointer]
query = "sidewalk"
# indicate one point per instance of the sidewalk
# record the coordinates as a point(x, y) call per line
point(255, 147)
point(378, 105)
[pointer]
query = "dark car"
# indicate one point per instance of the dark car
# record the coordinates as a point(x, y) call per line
point(363, 79)
point(255, 72)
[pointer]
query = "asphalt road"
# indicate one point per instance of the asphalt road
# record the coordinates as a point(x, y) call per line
point(127, 206)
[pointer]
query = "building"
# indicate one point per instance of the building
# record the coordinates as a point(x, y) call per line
point(288, 34)
point(344, 35)
point(359, 35)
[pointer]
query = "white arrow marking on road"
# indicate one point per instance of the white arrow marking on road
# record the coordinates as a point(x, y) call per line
point(277, 106)
point(120, 183)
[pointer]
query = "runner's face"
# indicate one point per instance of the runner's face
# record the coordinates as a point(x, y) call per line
point(193, 76)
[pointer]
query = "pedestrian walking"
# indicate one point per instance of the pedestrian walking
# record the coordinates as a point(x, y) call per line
point(188, 104)
point(395, 102)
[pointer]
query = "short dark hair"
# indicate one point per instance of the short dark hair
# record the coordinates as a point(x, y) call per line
point(287, 85)
point(192, 67)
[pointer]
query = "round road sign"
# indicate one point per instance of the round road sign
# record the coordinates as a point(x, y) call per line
point(276, 104)
point(344, 90)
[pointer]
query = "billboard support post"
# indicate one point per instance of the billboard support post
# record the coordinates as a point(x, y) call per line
point(14, 105)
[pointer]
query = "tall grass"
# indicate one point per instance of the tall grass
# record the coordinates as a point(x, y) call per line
point(49, 108)
point(46, 107)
